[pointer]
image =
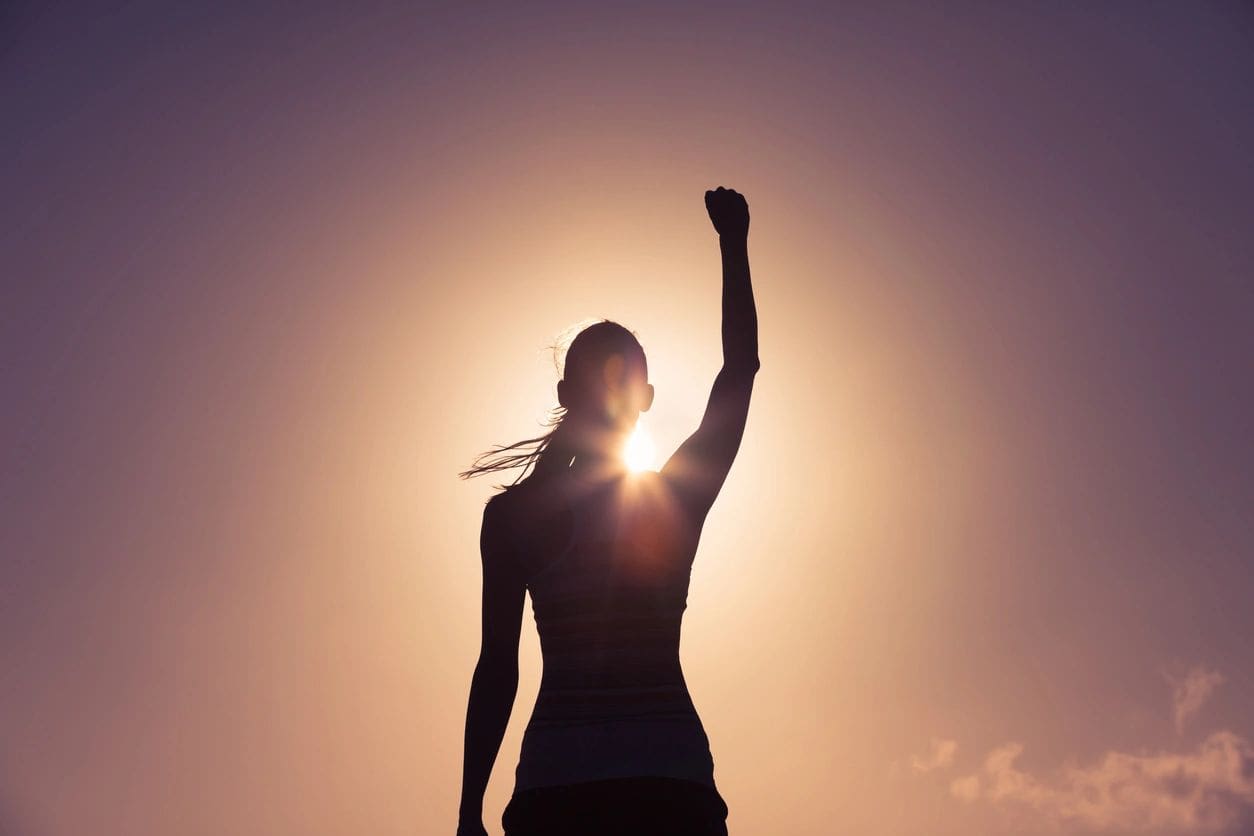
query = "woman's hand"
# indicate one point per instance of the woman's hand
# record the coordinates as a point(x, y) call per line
point(729, 212)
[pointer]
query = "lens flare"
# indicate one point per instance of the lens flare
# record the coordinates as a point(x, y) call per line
point(639, 452)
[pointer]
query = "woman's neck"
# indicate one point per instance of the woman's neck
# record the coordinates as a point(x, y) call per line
point(596, 452)
point(597, 466)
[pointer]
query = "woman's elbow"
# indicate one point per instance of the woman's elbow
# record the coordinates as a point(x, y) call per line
point(743, 366)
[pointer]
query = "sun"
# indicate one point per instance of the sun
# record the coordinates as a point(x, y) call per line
point(639, 452)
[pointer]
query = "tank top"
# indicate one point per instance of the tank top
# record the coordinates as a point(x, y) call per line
point(608, 602)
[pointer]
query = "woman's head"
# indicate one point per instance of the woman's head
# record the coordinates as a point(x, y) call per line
point(604, 388)
point(605, 379)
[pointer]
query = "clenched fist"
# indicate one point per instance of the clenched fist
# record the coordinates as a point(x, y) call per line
point(729, 212)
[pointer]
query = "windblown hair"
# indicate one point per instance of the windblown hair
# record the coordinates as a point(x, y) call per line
point(552, 452)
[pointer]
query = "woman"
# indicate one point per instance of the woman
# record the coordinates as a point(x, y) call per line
point(614, 744)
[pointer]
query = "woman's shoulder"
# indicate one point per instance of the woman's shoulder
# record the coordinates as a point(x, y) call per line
point(671, 495)
point(500, 512)
point(520, 507)
point(516, 498)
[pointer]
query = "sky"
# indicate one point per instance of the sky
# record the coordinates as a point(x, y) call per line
point(272, 278)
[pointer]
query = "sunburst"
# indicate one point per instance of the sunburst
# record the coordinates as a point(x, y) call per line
point(640, 453)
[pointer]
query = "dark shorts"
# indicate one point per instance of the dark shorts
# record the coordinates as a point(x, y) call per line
point(618, 807)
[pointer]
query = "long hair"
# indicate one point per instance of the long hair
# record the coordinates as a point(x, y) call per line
point(553, 451)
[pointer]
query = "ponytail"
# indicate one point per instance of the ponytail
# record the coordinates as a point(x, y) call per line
point(544, 455)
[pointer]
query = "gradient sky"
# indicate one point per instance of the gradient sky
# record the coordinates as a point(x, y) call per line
point(271, 279)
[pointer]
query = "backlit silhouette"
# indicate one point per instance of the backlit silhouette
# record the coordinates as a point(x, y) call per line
point(614, 744)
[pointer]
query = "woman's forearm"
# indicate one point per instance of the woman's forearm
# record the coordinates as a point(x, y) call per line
point(740, 317)
point(492, 691)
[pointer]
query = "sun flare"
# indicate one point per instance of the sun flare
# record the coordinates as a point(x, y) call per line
point(639, 452)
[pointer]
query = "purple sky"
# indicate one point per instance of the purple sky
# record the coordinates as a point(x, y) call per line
point(270, 279)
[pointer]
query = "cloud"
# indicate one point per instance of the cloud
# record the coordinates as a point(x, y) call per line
point(1190, 692)
point(1209, 790)
point(942, 755)
point(968, 788)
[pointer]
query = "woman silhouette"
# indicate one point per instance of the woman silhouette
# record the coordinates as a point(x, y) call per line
point(614, 744)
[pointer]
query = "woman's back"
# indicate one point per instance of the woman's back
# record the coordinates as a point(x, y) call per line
point(607, 565)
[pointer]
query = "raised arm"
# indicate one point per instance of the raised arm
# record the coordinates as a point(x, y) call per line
point(495, 681)
point(699, 467)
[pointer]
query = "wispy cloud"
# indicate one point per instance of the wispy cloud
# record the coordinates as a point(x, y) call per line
point(941, 755)
point(1191, 691)
point(1209, 790)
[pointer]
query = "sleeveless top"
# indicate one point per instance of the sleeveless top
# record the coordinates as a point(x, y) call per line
point(609, 587)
